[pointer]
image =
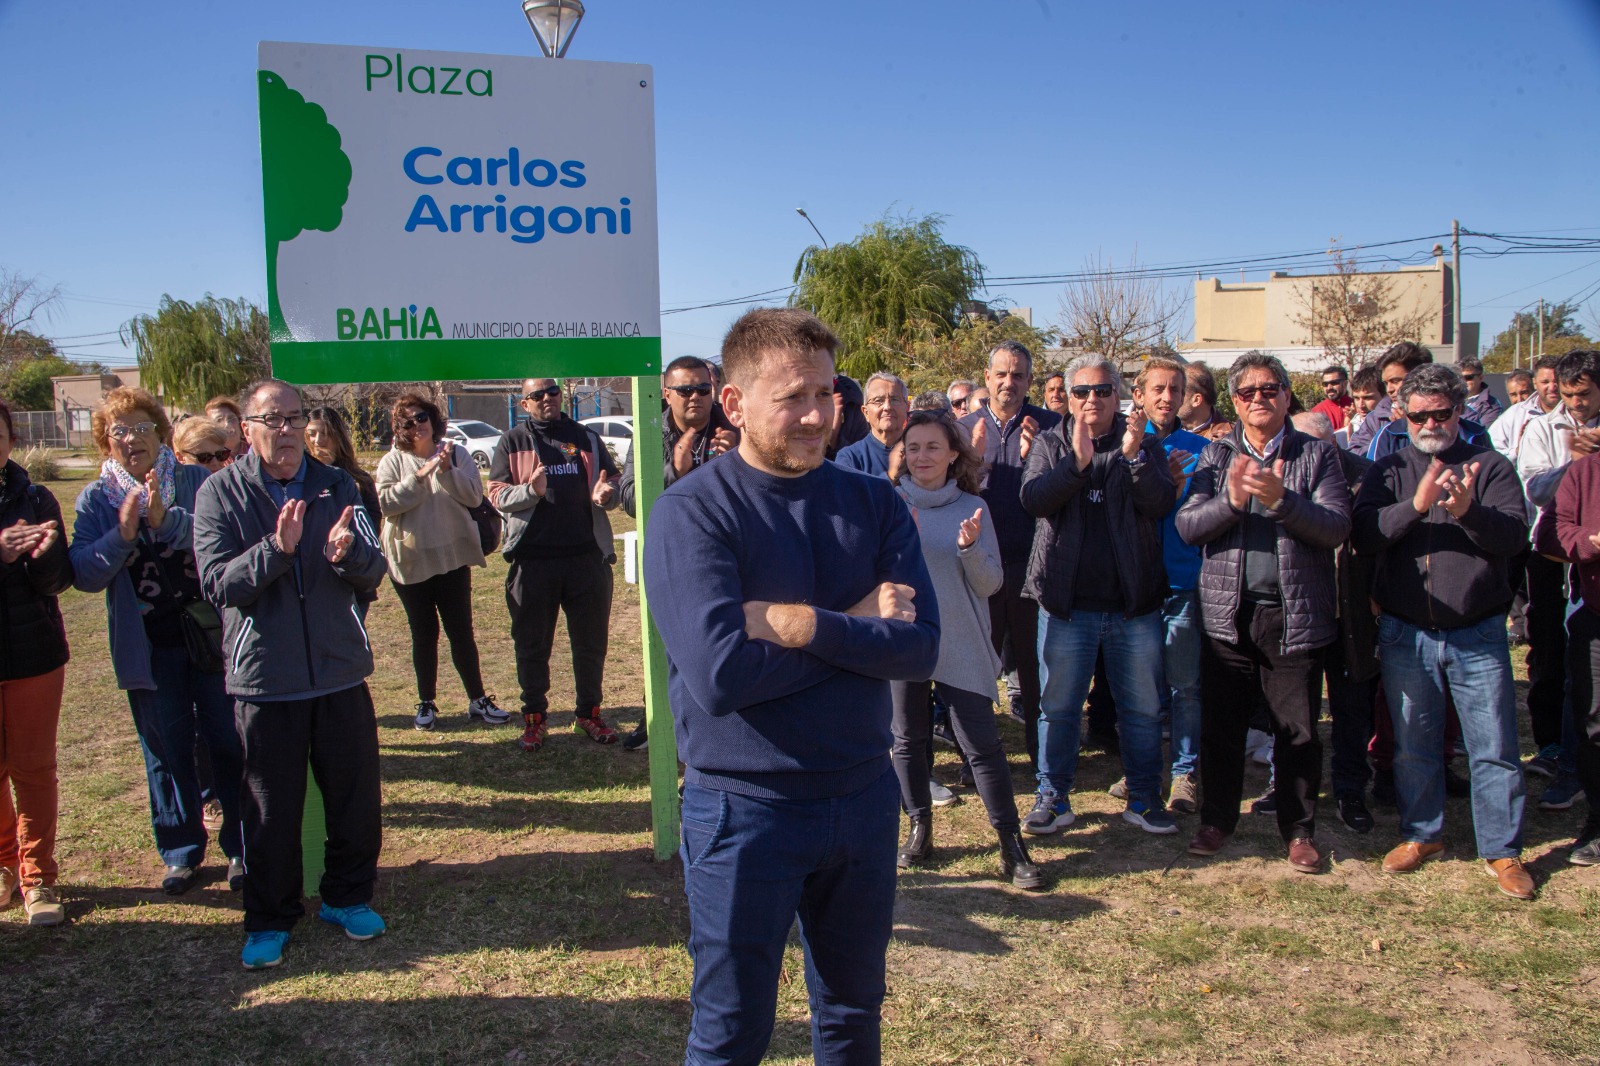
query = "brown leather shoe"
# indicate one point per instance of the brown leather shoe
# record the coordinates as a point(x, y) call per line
point(1409, 856)
point(1304, 856)
point(1207, 841)
point(1515, 880)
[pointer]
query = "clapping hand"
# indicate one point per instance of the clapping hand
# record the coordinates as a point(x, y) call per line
point(340, 537)
point(128, 516)
point(967, 535)
point(21, 539)
point(980, 438)
point(1265, 483)
point(538, 479)
point(1238, 491)
point(1459, 491)
point(897, 460)
point(1082, 443)
point(604, 490)
point(1431, 486)
point(291, 523)
point(155, 509)
point(722, 441)
point(1132, 439)
point(1029, 430)
point(683, 452)
point(1177, 459)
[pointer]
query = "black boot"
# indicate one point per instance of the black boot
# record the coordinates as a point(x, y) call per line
point(918, 847)
point(1016, 865)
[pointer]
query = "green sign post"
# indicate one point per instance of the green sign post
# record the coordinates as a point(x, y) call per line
point(443, 216)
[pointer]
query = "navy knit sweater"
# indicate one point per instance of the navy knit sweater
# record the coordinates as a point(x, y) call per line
point(755, 718)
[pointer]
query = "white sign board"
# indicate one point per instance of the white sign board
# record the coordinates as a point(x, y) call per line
point(437, 215)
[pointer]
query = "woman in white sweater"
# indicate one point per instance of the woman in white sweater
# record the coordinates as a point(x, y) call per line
point(426, 486)
point(938, 479)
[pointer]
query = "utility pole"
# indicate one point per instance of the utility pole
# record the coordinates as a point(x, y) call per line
point(1541, 327)
point(1455, 278)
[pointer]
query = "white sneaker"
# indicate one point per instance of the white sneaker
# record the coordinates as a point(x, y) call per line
point(427, 714)
point(484, 707)
point(942, 797)
point(8, 886)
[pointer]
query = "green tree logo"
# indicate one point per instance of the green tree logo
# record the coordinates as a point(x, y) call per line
point(305, 177)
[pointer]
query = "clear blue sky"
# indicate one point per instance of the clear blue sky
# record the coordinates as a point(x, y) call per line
point(1045, 130)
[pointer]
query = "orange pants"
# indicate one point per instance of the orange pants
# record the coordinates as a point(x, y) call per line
point(30, 708)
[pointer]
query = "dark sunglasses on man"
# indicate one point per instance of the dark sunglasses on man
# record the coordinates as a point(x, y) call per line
point(1102, 392)
point(1269, 391)
point(686, 391)
point(548, 390)
point(1440, 415)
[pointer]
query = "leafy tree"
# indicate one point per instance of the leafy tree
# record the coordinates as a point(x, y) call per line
point(305, 177)
point(934, 362)
point(194, 351)
point(1354, 315)
point(898, 283)
point(27, 386)
point(1561, 335)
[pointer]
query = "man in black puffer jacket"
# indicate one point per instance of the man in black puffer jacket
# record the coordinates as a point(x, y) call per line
point(1100, 487)
point(1268, 505)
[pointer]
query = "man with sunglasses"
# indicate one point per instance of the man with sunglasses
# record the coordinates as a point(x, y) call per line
point(1267, 505)
point(284, 549)
point(1100, 486)
point(960, 396)
point(1336, 393)
point(553, 479)
point(694, 430)
point(1393, 366)
point(1444, 517)
point(694, 427)
point(1482, 406)
point(1003, 432)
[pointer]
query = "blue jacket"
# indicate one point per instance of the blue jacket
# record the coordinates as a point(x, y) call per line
point(867, 455)
point(100, 560)
point(1182, 559)
point(755, 718)
point(271, 602)
point(1393, 437)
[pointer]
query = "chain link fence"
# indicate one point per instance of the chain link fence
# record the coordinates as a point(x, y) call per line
point(46, 428)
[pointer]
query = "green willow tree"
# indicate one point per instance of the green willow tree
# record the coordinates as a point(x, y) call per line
point(194, 351)
point(898, 283)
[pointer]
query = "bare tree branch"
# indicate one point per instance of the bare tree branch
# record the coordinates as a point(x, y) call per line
point(1117, 315)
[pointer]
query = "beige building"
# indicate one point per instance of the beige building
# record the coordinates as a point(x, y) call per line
point(77, 396)
point(1234, 317)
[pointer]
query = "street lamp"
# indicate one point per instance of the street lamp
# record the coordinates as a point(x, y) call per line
point(554, 22)
point(802, 213)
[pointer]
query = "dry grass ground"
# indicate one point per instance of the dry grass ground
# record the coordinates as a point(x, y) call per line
point(527, 922)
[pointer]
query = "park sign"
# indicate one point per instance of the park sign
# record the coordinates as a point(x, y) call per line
point(446, 216)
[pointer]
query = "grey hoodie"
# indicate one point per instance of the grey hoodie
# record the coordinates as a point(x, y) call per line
point(963, 581)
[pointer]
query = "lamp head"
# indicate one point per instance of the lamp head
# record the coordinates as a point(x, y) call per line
point(553, 22)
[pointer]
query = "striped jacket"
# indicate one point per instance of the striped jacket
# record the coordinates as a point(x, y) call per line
point(512, 494)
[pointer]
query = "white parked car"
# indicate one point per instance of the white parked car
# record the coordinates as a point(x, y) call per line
point(616, 431)
point(479, 439)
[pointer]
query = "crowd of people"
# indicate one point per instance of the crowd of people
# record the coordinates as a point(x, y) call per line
point(841, 573)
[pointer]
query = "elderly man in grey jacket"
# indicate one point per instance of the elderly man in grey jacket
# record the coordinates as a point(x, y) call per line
point(1268, 505)
point(284, 547)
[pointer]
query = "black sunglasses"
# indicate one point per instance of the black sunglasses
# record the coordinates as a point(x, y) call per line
point(687, 391)
point(1267, 392)
point(411, 423)
point(549, 390)
point(1082, 392)
point(1422, 418)
point(221, 456)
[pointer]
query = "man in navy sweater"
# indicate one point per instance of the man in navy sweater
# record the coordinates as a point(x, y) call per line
point(789, 593)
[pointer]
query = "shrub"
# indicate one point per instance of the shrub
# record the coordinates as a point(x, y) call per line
point(41, 464)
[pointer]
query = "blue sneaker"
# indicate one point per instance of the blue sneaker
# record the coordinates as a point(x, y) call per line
point(359, 922)
point(1562, 795)
point(1151, 817)
point(263, 950)
point(1050, 812)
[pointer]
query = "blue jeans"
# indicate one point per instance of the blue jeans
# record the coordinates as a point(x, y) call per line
point(1067, 651)
point(1180, 664)
point(184, 701)
point(750, 866)
point(1474, 662)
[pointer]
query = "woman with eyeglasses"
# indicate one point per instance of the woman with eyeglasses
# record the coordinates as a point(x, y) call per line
point(198, 441)
point(134, 540)
point(34, 569)
point(939, 482)
point(426, 485)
